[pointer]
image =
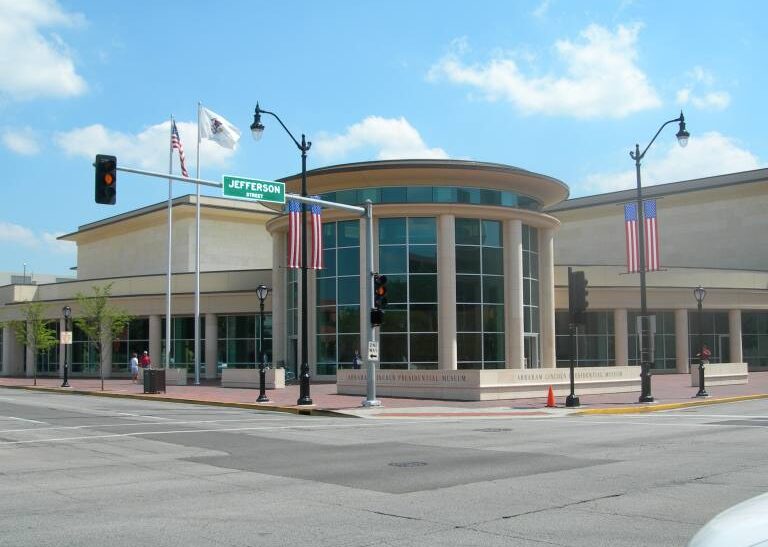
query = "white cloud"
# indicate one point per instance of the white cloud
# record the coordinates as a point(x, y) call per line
point(145, 150)
point(32, 64)
point(710, 100)
point(392, 138)
point(21, 141)
point(25, 237)
point(602, 78)
point(541, 10)
point(706, 155)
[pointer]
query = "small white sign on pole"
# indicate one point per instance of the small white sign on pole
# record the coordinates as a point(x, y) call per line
point(66, 337)
point(373, 350)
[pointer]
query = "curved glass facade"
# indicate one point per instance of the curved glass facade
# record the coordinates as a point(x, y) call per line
point(434, 194)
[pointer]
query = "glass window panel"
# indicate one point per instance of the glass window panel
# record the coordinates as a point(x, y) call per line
point(468, 318)
point(349, 290)
point(493, 318)
point(329, 234)
point(493, 289)
point(469, 195)
point(392, 231)
point(423, 318)
point(492, 233)
point(445, 195)
point(394, 348)
point(326, 349)
point(349, 261)
point(493, 261)
point(329, 263)
point(326, 320)
point(509, 199)
point(349, 233)
point(245, 326)
point(221, 323)
point(347, 196)
point(467, 259)
point(419, 194)
point(326, 291)
point(422, 230)
point(392, 259)
point(467, 231)
point(397, 289)
point(395, 319)
point(468, 288)
point(349, 319)
point(139, 329)
point(422, 258)
point(424, 347)
point(493, 346)
point(490, 197)
point(395, 194)
point(373, 194)
point(423, 288)
point(469, 347)
point(526, 264)
point(348, 344)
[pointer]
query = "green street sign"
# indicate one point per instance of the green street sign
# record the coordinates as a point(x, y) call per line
point(253, 189)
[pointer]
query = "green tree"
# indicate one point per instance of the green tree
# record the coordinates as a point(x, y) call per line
point(99, 320)
point(33, 331)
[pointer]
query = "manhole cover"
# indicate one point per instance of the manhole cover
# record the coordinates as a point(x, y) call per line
point(407, 464)
point(493, 430)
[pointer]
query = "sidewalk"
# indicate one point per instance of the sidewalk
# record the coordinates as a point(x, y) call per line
point(670, 391)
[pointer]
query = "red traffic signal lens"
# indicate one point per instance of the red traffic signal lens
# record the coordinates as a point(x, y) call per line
point(108, 179)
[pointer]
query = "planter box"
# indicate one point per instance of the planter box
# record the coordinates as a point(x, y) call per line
point(176, 376)
point(249, 377)
point(720, 374)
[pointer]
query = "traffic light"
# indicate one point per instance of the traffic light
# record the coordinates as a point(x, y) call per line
point(577, 296)
point(106, 179)
point(377, 316)
point(379, 291)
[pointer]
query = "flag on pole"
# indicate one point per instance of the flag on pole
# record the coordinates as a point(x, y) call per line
point(176, 144)
point(317, 236)
point(651, 239)
point(216, 128)
point(294, 234)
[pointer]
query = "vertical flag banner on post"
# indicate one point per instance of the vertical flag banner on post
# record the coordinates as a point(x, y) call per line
point(317, 236)
point(176, 145)
point(651, 236)
point(216, 128)
point(294, 234)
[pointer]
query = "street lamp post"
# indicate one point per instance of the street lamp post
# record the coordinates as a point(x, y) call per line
point(699, 293)
point(645, 357)
point(67, 311)
point(262, 291)
point(256, 130)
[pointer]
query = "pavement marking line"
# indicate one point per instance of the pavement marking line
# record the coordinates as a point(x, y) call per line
point(141, 415)
point(132, 424)
point(739, 416)
point(624, 422)
point(222, 430)
point(22, 419)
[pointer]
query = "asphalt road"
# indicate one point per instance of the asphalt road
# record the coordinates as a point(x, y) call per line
point(91, 471)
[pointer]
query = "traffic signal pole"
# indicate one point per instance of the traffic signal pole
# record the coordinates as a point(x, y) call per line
point(370, 397)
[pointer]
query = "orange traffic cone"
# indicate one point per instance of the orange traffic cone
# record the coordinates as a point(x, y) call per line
point(551, 398)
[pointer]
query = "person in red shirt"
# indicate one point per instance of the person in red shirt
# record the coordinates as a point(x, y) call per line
point(145, 360)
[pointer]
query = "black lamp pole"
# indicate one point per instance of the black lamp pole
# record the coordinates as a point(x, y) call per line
point(257, 129)
point(67, 311)
point(699, 293)
point(262, 291)
point(645, 334)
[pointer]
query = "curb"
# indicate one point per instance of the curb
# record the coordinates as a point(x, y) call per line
point(668, 406)
point(301, 411)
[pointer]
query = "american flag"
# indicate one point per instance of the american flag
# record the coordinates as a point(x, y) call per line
point(176, 143)
point(317, 236)
point(651, 233)
point(294, 234)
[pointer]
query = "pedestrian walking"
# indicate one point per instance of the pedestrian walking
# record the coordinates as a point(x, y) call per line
point(135, 368)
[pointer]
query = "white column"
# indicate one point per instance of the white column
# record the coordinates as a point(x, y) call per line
point(734, 326)
point(9, 339)
point(446, 297)
point(62, 348)
point(279, 299)
point(547, 296)
point(156, 341)
point(513, 293)
point(211, 345)
point(681, 341)
point(30, 356)
point(620, 338)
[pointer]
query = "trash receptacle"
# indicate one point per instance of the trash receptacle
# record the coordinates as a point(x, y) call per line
point(154, 380)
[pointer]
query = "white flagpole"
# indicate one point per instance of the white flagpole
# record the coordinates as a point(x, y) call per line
point(197, 256)
point(170, 247)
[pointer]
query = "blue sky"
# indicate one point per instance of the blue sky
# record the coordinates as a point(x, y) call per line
point(557, 87)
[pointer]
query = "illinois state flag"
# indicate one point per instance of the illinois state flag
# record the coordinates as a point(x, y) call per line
point(216, 128)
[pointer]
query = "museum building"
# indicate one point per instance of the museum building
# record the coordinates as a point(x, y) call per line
point(476, 256)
